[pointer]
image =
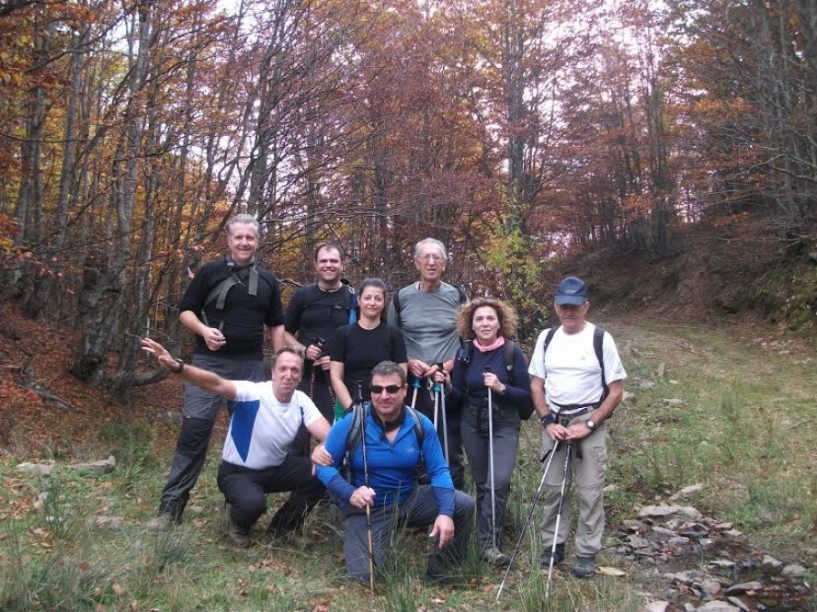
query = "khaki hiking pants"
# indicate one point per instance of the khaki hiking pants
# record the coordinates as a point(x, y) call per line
point(588, 474)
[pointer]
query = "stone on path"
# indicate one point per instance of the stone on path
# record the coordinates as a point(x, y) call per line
point(38, 469)
point(717, 606)
point(688, 491)
point(793, 572)
point(103, 466)
point(666, 512)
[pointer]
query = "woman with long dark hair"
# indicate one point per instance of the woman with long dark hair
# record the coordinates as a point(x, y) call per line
point(355, 349)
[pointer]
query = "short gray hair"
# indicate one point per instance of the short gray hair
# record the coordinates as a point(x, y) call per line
point(388, 368)
point(244, 218)
point(433, 241)
point(291, 349)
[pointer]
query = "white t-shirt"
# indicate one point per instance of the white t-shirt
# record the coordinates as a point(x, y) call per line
point(571, 369)
point(262, 428)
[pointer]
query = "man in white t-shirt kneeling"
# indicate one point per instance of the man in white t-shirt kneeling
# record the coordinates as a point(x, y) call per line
point(258, 457)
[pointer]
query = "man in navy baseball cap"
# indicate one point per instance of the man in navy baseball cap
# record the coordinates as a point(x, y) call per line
point(572, 291)
point(576, 384)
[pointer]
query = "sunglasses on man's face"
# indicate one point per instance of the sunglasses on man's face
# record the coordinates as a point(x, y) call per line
point(390, 389)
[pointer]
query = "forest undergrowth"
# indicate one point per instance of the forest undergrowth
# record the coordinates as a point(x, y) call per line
point(730, 408)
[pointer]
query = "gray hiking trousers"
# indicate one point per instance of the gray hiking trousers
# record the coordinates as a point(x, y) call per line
point(419, 510)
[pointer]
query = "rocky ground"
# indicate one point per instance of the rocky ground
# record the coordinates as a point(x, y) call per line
point(665, 540)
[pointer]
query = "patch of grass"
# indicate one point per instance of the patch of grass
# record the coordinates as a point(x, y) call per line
point(130, 444)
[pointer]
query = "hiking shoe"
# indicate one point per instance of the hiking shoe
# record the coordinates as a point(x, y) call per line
point(162, 522)
point(585, 567)
point(439, 571)
point(290, 539)
point(496, 557)
point(440, 578)
point(238, 536)
point(558, 558)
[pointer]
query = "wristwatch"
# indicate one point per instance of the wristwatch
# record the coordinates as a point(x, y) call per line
point(591, 425)
point(180, 363)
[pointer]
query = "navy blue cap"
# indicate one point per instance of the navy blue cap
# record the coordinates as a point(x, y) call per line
point(571, 290)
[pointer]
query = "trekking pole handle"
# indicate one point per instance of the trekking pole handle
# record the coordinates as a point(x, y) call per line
point(436, 386)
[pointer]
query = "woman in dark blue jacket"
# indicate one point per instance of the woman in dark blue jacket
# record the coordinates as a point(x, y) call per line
point(481, 365)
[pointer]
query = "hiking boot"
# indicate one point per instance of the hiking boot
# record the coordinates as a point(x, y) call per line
point(291, 539)
point(496, 557)
point(558, 558)
point(585, 567)
point(439, 571)
point(163, 522)
point(440, 579)
point(238, 536)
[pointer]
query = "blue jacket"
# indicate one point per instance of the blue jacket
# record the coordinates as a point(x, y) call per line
point(391, 466)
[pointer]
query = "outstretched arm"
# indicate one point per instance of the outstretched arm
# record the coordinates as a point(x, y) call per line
point(201, 378)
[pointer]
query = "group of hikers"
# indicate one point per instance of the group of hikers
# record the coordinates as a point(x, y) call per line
point(396, 404)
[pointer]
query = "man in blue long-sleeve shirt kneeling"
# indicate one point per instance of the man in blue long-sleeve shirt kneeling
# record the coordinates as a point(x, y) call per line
point(394, 448)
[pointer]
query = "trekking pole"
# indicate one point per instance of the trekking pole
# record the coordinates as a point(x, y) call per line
point(558, 516)
point(416, 384)
point(441, 391)
point(368, 509)
point(549, 457)
point(435, 389)
point(486, 370)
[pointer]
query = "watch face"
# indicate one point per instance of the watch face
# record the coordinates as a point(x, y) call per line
point(590, 424)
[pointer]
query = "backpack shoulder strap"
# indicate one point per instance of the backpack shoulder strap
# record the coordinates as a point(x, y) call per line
point(467, 351)
point(598, 347)
point(355, 428)
point(463, 298)
point(509, 346)
point(418, 426)
point(353, 438)
point(310, 296)
point(548, 338)
point(219, 292)
point(396, 301)
point(350, 291)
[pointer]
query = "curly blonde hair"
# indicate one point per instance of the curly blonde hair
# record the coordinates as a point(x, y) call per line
point(504, 313)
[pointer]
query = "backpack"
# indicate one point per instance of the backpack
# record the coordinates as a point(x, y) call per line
point(598, 347)
point(315, 294)
point(355, 434)
point(397, 307)
point(526, 409)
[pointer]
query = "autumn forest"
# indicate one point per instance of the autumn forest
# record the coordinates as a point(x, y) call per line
point(516, 131)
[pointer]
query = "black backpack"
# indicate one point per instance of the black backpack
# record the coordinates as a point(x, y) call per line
point(526, 409)
point(351, 303)
point(355, 434)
